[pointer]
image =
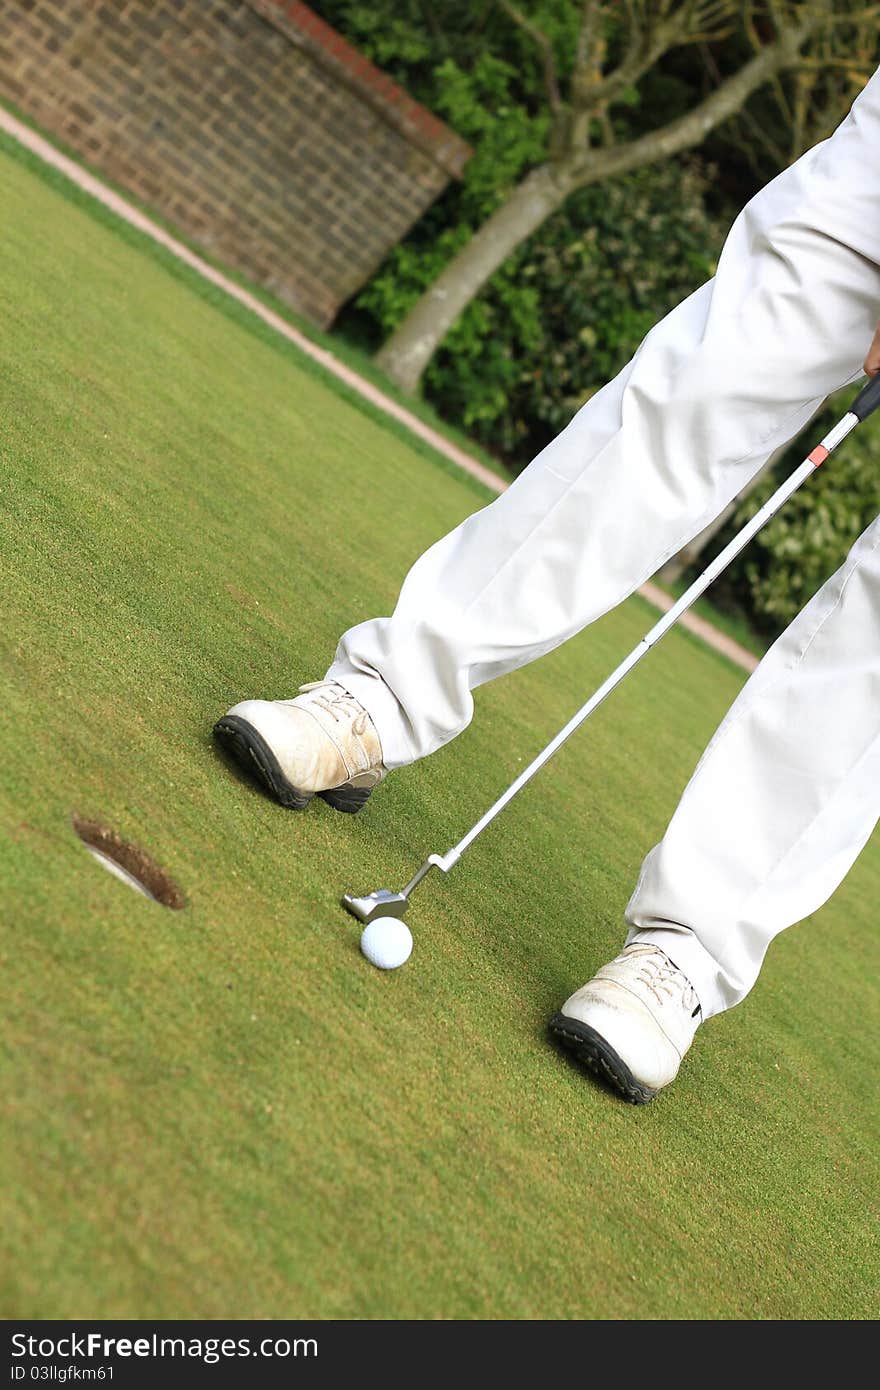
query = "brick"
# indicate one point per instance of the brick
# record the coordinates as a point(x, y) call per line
point(54, 22)
point(13, 88)
point(82, 114)
point(249, 123)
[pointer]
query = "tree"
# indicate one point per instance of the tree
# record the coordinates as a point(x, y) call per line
point(592, 58)
point(565, 311)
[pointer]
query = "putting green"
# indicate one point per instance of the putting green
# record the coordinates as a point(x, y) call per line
point(223, 1111)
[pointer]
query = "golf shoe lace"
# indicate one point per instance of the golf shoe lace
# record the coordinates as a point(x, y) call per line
point(664, 979)
point(338, 704)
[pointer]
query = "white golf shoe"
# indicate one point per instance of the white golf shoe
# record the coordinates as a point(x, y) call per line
point(633, 1022)
point(321, 742)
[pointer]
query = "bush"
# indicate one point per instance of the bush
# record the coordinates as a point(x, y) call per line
point(809, 537)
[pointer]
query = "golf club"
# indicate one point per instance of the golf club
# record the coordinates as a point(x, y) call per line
point(383, 903)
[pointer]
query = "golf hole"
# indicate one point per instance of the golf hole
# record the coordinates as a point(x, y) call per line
point(128, 863)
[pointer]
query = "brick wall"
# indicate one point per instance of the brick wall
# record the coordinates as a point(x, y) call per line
point(249, 124)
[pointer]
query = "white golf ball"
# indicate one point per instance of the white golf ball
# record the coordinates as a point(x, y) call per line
point(386, 942)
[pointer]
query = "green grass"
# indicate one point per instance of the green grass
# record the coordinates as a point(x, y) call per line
point(224, 1111)
point(345, 351)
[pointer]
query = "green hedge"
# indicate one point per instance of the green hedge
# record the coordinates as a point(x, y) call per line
point(809, 537)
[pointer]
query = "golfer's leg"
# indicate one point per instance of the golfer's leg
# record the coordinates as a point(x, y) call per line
point(714, 389)
point(783, 799)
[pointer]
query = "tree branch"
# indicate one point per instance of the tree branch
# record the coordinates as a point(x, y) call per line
point(870, 12)
point(586, 74)
point(584, 57)
point(777, 14)
point(758, 132)
point(689, 130)
point(656, 28)
point(545, 48)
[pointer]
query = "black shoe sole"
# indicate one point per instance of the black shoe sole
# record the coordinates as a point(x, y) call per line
point(347, 799)
point(591, 1049)
point(253, 753)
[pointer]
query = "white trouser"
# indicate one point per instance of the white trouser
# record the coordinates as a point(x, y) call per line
point(789, 789)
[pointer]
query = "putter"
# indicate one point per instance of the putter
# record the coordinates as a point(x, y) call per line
point(383, 903)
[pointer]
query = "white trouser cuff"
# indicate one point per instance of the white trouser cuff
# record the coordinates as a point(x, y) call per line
point(383, 708)
point(693, 960)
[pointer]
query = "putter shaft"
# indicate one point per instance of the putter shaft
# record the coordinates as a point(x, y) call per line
point(866, 402)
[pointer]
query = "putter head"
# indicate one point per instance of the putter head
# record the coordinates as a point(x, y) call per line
point(378, 904)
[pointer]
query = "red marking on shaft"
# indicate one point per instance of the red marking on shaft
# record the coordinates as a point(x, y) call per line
point(819, 455)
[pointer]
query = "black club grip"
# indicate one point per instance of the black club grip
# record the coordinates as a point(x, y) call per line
point(868, 399)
